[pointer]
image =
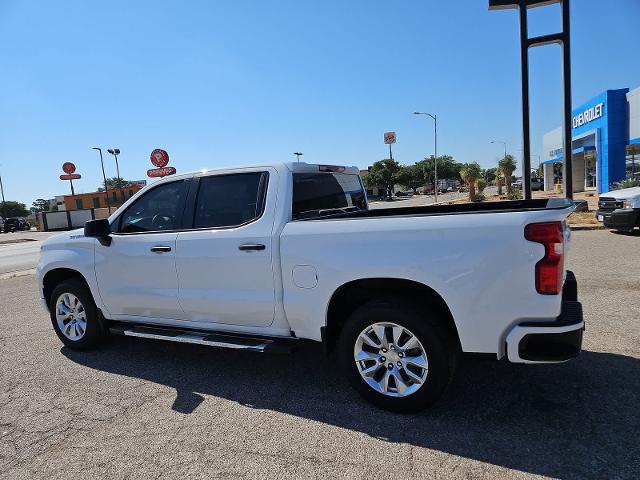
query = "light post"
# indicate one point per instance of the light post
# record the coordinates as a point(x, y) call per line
point(297, 154)
point(4, 212)
point(106, 190)
point(435, 151)
point(115, 152)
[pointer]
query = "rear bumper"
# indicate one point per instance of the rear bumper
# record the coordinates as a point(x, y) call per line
point(619, 219)
point(550, 342)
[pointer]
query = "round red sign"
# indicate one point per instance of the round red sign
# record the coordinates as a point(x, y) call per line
point(68, 168)
point(159, 158)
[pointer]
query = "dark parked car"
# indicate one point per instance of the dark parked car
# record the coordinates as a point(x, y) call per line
point(16, 224)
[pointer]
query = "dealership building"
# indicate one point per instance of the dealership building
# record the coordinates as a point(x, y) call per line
point(606, 143)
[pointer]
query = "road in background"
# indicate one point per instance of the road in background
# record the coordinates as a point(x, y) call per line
point(420, 200)
point(150, 409)
point(24, 253)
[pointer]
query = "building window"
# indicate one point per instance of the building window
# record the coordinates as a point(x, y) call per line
point(96, 202)
point(79, 205)
point(632, 163)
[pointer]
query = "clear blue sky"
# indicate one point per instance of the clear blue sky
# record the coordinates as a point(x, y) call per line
point(226, 82)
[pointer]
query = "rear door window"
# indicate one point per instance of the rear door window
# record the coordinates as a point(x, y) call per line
point(230, 200)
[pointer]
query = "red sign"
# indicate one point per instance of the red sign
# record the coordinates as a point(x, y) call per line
point(70, 176)
point(161, 172)
point(159, 158)
point(68, 168)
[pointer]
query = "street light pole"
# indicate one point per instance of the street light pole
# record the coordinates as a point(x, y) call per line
point(435, 151)
point(115, 152)
point(4, 212)
point(297, 154)
point(106, 190)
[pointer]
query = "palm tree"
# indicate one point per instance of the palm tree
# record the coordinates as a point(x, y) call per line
point(470, 172)
point(507, 165)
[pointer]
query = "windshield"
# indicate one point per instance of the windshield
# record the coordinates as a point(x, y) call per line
point(317, 194)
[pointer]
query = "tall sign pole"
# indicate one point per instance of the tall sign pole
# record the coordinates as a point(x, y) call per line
point(389, 139)
point(563, 39)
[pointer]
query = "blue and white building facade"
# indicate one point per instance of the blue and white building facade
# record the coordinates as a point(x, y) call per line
point(606, 143)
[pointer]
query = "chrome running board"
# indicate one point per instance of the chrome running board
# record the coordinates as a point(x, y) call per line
point(210, 339)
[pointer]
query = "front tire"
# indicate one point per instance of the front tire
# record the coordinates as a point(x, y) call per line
point(396, 355)
point(74, 315)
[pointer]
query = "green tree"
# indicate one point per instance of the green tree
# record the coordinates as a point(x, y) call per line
point(115, 182)
point(507, 165)
point(383, 175)
point(470, 172)
point(489, 175)
point(13, 209)
point(40, 205)
point(481, 184)
point(411, 176)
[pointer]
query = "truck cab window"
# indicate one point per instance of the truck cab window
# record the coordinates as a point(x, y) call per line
point(230, 200)
point(315, 194)
point(160, 209)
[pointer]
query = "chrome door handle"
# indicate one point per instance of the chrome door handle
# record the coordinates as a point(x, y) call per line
point(251, 246)
point(160, 249)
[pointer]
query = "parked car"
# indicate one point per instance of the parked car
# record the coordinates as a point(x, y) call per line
point(537, 183)
point(16, 224)
point(620, 209)
point(259, 258)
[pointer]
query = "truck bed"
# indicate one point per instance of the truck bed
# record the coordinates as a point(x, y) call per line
point(456, 209)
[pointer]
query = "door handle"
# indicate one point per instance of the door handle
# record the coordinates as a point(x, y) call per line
point(251, 246)
point(160, 249)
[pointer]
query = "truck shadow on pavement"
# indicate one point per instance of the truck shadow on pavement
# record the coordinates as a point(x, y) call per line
point(574, 420)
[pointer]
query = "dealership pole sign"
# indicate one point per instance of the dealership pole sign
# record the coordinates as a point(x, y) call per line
point(69, 170)
point(160, 160)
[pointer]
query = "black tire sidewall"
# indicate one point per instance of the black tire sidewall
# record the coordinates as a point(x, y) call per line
point(420, 322)
point(94, 332)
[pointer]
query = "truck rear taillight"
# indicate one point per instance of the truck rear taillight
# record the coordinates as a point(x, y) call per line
point(550, 268)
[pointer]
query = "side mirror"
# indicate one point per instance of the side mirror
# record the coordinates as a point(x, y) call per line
point(100, 229)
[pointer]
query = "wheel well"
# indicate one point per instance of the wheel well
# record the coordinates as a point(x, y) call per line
point(352, 295)
point(55, 277)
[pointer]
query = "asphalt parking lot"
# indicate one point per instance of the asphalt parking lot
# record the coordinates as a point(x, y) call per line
point(145, 409)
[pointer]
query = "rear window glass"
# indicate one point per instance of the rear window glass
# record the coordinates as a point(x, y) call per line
point(317, 194)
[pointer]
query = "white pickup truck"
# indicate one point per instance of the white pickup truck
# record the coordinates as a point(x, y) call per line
point(260, 257)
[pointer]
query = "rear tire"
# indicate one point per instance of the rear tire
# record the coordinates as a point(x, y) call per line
point(74, 315)
point(393, 315)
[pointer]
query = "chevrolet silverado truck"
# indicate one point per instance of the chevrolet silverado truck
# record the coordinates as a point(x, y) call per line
point(620, 209)
point(263, 257)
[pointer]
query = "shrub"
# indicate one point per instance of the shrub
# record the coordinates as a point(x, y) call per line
point(478, 197)
point(514, 195)
point(627, 183)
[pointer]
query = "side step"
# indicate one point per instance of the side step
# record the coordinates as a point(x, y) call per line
point(211, 339)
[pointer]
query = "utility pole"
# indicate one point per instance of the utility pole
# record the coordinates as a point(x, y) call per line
point(298, 154)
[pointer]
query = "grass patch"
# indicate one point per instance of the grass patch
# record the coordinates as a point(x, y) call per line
point(582, 218)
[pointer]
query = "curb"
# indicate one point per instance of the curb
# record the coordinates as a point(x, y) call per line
point(587, 226)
